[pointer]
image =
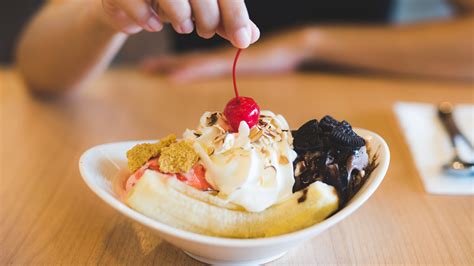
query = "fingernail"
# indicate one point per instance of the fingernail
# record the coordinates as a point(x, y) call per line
point(186, 26)
point(242, 37)
point(155, 24)
point(256, 36)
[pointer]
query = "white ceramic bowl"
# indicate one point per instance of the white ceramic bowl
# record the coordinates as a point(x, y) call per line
point(103, 166)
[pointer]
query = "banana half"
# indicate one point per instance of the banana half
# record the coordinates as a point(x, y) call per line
point(173, 202)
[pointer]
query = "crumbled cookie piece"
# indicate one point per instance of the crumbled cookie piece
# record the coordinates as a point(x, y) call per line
point(178, 157)
point(141, 153)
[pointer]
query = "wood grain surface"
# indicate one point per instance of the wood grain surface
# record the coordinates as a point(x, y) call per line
point(49, 216)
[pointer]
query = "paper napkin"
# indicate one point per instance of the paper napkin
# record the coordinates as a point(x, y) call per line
point(430, 146)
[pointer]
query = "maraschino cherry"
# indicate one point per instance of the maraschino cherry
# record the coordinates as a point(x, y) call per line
point(241, 108)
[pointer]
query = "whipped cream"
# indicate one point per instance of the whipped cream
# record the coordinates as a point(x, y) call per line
point(252, 167)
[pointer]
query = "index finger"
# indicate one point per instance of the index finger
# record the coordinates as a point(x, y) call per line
point(236, 22)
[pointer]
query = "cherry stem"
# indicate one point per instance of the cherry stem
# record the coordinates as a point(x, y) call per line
point(233, 73)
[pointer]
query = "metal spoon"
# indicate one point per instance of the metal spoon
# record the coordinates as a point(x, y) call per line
point(456, 166)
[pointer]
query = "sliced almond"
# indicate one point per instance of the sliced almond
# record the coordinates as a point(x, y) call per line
point(212, 119)
point(283, 159)
point(255, 134)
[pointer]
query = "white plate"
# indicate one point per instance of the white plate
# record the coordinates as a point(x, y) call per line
point(103, 168)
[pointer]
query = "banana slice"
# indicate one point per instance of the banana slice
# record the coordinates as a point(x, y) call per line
point(167, 200)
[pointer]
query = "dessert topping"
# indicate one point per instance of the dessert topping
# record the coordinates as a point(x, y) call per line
point(344, 136)
point(179, 157)
point(140, 154)
point(307, 136)
point(328, 123)
point(331, 152)
point(251, 167)
point(239, 108)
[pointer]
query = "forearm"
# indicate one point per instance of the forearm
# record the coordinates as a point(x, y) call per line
point(443, 49)
point(66, 46)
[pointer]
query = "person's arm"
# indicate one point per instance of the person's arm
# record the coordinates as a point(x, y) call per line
point(69, 42)
point(440, 48)
point(65, 45)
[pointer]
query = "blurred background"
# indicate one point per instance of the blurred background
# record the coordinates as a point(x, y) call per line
point(14, 15)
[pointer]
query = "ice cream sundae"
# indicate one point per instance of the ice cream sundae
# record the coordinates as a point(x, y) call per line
point(243, 173)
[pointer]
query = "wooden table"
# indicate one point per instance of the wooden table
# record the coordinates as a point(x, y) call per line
point(48, 215)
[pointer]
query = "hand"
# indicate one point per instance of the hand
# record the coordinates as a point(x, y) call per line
point(279, 54)
point(228, 18)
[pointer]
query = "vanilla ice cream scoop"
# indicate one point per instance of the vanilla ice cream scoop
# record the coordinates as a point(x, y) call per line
point(252, 167)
